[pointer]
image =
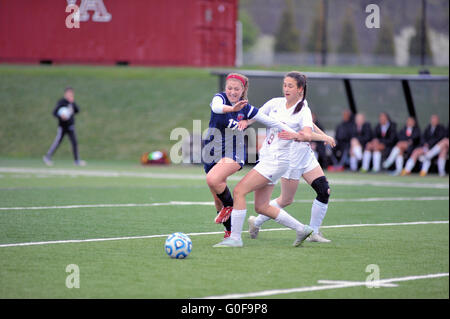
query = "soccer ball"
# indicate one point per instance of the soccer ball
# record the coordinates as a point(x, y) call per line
point(178, 245)
point(64, 112)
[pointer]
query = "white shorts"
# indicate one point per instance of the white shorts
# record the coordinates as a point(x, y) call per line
point(271, 169)
point(307, 165)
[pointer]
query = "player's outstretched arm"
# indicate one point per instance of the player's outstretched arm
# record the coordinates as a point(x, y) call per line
point(270, 122)
point(235, 108)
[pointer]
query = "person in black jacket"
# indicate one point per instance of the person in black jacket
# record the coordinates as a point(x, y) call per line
point(343, 135)
point(361, 135)
point(381, 145)
point(408, 139)
point(433, 133)
point(318, 147)
point(65, 111)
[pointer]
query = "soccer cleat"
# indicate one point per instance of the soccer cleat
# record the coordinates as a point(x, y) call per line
point(80, 163)
point(224, 215)
point(227, 234)
point(302, 235)
point(423, 173)
point(47, 161)
point(253, 230)
point(363, 170)
point(395, 173)
point(229, 242)
point(318, 238)
point(404, 172)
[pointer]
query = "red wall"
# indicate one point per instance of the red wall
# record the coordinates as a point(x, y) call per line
point(152, 32)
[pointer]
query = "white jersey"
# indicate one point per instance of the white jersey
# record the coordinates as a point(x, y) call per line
point(274, 147)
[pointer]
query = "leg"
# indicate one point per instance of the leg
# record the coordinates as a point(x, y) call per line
point(56, 142)
point(355, 153)
point(411, 162)
point(217, 182)
point(251, 182)
point(444, 145)
point(367, 155)
point(262, 206)
point(217, 176)
point(288, 190)
point(74, 142)
point(317, 180)
point(378, 149)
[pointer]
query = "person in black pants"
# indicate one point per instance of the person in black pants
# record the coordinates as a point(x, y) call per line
point(318, 147)
point(343, 136)
point(65, 111)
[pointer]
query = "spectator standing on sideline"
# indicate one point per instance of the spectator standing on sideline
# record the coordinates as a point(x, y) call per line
point(65, 111)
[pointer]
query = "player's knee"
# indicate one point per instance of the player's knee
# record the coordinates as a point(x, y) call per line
point(212, 181)
point(261, 208)
point(285, 201)
point(238, 192)
point(320, 185)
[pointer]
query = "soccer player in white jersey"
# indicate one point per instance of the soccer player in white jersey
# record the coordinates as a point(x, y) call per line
point(274, 160)
point(303, 164)
point(224, 152)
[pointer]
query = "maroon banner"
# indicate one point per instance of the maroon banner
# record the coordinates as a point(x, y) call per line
point(147, 32)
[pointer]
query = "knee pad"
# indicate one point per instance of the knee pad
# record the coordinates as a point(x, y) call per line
point(320, 185)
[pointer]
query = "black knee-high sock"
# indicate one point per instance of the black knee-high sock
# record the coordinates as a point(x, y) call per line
point(225, 197)
point(227, 224)
point(227, 200)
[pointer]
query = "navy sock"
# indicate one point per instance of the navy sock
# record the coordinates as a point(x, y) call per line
point(227, 224)
point(225, 197)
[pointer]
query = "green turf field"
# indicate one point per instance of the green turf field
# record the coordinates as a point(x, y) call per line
point(111, 220)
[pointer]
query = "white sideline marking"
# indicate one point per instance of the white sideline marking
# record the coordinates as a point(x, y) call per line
point(328, 285)
point(205, 233)
point(106, 173)
point(181, 203)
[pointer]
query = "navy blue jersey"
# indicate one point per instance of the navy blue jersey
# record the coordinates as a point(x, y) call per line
point(223, 139)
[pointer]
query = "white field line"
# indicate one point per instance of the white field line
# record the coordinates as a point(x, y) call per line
point(36, 243)
point(182, 203)
point(108, 173)
point(327, 284)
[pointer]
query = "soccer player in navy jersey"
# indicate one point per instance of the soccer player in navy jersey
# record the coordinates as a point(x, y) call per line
point(224, 151)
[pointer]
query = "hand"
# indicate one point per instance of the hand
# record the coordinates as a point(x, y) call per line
point(330, 141)
point(239, 105)
point(242, 125)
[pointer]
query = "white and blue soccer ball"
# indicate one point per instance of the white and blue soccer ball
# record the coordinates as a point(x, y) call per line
point(178, 245)
point(65, 112)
